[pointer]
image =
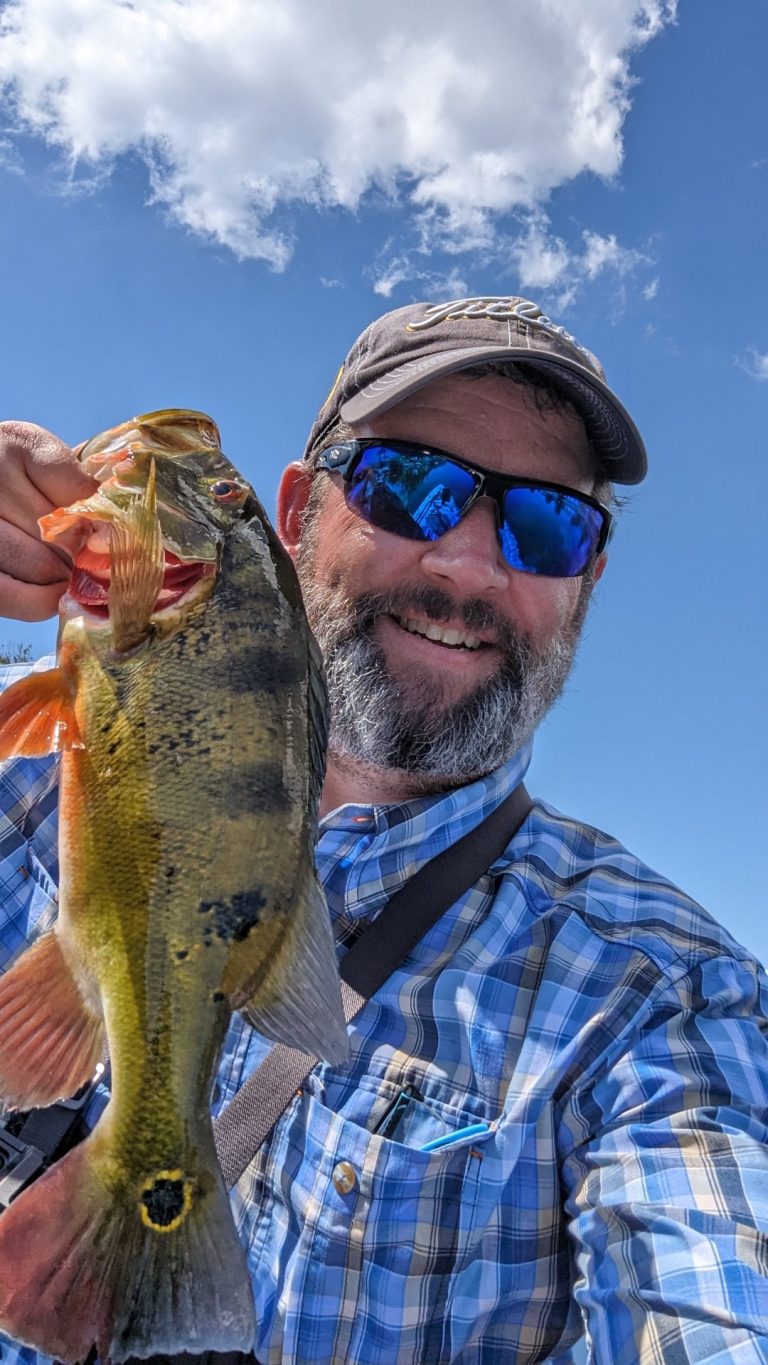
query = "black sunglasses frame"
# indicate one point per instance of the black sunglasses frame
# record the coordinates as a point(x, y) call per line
point(343, 458)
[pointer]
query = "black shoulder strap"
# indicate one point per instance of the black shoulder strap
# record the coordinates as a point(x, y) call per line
point(243, 1125)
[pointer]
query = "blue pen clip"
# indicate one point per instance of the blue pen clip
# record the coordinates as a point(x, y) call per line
point(472, 1130)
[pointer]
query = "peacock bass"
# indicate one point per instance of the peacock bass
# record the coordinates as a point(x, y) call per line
point(189, 709)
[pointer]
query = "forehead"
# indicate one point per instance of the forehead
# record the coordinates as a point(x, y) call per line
point(495, 422)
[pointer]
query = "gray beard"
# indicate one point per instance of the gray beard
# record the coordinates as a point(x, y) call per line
point(410, 724)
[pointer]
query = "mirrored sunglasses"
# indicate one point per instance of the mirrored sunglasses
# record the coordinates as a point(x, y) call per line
point(421, 493)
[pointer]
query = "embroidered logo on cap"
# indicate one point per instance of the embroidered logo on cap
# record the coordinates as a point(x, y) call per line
point(500, 310)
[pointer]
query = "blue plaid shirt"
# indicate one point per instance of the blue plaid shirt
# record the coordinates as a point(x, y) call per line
point(610, 1035)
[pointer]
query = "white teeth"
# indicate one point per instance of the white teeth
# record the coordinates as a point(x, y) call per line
point(443, 637)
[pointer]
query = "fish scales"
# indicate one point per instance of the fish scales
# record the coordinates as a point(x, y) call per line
point(188, 807)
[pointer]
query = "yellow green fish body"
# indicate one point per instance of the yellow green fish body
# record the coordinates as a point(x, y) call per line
point(190, 775)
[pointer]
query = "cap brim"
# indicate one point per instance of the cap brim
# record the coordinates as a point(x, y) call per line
point(612, 433)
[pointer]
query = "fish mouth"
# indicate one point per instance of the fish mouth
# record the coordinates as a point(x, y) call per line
point(90, 580)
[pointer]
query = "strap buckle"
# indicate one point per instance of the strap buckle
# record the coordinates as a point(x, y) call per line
point(20, 1163)
point(30, 1141)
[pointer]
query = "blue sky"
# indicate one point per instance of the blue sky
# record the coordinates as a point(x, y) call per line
point(202, 210)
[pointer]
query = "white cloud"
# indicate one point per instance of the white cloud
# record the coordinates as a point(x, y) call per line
point(651, 289)
point(243, 109)
point(9, 157)
point(605, 253)
point(756, 364)
point(392, 270)
point(535, 257)
point(541, 259)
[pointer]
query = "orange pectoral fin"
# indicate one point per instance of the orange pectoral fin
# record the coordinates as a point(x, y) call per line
point(50, 1038)
point(37, 716)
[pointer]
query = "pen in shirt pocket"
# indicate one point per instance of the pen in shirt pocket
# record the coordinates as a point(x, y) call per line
point(394, 1112)
point(472, 1130)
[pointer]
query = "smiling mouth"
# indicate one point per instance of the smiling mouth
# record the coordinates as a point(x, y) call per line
point(441, 635)
point(89, 584)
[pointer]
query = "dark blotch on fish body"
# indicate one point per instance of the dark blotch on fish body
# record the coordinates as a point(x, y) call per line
point(233, 919)
point(257, 787)
point(253, 668)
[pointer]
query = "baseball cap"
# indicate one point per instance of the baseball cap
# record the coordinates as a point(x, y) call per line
point(407, 348)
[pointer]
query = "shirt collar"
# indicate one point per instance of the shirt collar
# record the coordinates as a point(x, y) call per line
point(366, 852)
point(480, 797)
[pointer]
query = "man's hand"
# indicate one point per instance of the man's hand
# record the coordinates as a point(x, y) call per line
point(38, 473)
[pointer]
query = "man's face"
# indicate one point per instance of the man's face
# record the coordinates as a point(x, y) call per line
point(441, 658)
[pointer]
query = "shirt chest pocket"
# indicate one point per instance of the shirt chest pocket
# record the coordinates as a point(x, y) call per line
point(408, 1209)
point(381, 1228)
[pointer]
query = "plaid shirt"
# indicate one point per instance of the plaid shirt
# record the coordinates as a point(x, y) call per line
point(610, 1035)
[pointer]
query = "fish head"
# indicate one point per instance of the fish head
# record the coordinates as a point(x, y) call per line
point(166, 500)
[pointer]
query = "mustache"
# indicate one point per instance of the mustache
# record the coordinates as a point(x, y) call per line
point(475, 615)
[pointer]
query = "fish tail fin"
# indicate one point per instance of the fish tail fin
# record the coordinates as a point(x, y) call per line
point(298, 1000)
point(50, 1039)
point(137, 562)
point(89, 1260)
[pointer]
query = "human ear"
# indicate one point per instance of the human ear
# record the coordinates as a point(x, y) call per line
point(292, 498)
point(600, 564)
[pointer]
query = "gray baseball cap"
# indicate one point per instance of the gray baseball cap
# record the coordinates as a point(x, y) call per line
point(404, 350)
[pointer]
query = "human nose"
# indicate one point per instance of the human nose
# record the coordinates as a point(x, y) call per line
point(469, 554)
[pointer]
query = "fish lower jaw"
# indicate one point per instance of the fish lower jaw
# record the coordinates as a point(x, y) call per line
point(75, 613)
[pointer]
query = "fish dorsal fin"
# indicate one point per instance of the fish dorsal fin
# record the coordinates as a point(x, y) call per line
point(37, 716)
point(136, 568)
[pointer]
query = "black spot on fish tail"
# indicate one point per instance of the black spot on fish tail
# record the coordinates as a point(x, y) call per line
point(232, 920)
point(218, 997)
point(181, 953)
point(165, 1200)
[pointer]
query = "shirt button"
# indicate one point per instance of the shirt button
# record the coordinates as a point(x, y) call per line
point(344, 1177)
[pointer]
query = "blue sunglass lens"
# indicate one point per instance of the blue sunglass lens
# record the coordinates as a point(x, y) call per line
point(421, 496)
point(549, 533)
point(416, 496)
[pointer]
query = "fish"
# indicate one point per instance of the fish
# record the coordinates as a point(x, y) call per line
point(189, 710)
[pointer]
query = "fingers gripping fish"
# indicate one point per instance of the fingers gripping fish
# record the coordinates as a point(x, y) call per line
point(189, 709)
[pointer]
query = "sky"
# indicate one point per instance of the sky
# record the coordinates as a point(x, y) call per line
point(203, 205)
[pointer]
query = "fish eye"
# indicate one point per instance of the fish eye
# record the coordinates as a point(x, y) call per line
point(225, 490)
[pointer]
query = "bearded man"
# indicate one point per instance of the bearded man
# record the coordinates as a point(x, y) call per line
point(555, 1114)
